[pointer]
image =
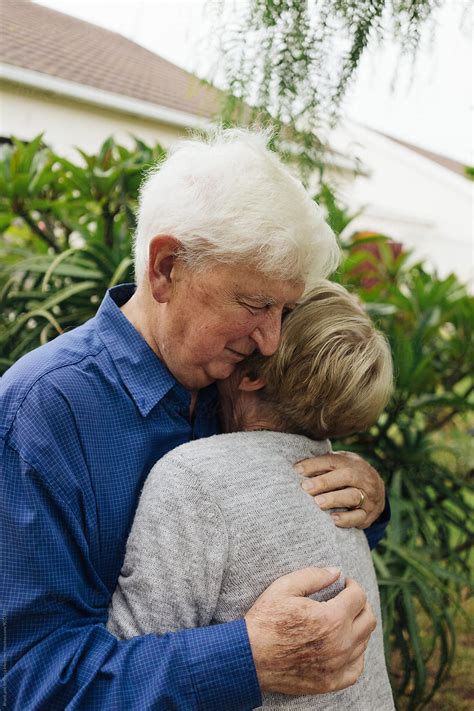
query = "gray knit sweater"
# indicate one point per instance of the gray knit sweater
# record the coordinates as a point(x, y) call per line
point(220, 519)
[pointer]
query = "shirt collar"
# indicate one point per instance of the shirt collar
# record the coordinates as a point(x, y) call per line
point(146, 378)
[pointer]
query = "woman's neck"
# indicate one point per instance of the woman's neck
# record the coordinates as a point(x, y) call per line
point(250, 413)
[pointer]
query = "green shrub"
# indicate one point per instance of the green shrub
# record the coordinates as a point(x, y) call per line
point(66, 236)
point(422, 447)
point(66, 240)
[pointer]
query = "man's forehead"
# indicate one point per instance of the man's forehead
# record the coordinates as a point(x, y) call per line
point(249, 283)
point(273, 295)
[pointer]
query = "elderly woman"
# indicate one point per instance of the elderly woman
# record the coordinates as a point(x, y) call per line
point(221, 518)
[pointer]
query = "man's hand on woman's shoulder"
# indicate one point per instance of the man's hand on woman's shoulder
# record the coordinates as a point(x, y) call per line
point(344, 480)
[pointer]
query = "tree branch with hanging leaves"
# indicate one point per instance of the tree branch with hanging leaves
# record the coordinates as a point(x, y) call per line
point(293, 61)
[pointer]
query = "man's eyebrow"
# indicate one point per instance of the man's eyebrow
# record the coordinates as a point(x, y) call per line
point(261, 299)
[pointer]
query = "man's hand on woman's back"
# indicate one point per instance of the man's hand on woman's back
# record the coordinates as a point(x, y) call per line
point(344, 480)
point(301, 646)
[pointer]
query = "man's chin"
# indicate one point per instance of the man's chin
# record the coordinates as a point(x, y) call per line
point(205, 377)
point(220, 372)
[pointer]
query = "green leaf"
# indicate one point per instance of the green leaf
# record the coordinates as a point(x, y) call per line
point(121, 271)
point(78, 176)
point(6, 218)
point(55, 263)
point(61, 296)
point(420, 678)
point(20, 186)
point(41, 265)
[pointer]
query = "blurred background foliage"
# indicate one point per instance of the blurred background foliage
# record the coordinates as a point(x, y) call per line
point(66, 238)
point(422, 447)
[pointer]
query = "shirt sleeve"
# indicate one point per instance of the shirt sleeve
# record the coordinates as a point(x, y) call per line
point(59, 653)
point(376, 531)
point(175, 558)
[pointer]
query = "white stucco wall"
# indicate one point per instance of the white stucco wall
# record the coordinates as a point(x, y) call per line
point(25, 112)
point(412, 199)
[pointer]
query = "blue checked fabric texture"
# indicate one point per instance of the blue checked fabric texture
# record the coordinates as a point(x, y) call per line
point(82, 421)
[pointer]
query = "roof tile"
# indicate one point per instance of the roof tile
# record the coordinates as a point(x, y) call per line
point(44, 40)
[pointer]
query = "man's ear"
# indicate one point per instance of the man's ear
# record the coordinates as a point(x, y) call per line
point(248, 384)
point(162, 255)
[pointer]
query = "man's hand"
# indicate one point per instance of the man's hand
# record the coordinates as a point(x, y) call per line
point(301, 646)
point(345, 480)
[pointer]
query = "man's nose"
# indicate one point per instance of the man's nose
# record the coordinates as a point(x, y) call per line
point(267, 334)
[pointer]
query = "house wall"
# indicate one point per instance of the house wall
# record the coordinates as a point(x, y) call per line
point(412, 199)
point(66, 123)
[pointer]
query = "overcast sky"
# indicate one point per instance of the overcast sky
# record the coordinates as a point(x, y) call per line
point(432, 106)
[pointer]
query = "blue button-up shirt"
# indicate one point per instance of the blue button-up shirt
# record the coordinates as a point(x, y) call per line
point(82, 421)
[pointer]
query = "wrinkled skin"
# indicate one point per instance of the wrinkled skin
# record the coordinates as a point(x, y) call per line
point(336, 480)
point(301, 646)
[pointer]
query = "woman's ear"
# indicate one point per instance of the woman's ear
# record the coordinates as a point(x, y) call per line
point(248, 384)
point(162, 255)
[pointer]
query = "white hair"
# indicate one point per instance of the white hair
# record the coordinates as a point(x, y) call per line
point(230, 199)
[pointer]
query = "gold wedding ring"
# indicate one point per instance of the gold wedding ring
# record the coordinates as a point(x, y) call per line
point(362, 499)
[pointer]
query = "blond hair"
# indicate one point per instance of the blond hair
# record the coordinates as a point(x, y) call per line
point(332, 373)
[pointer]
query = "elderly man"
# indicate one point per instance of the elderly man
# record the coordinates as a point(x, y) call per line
point(226, 241)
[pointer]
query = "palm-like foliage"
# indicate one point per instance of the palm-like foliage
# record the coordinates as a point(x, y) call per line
point(422, 563)
point(67, 236)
